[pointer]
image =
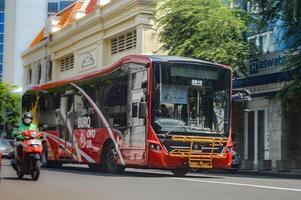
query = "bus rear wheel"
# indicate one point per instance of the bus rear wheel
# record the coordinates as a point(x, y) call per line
point(180, 171)
point(110, 159)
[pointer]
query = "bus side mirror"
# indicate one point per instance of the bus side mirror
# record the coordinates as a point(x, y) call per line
point(241, 95)
point(43, 128)
point(142, 109)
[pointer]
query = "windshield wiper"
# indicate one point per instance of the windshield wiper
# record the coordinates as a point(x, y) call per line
point(204, 130)
point(168, 132)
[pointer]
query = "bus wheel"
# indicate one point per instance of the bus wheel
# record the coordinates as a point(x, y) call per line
point(180, 171)
point(110, 160)
point(44, 158)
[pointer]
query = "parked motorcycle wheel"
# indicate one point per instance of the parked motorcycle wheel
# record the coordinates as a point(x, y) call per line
point(35, 170)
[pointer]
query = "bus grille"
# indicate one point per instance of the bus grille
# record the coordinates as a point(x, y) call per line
point(200, 150)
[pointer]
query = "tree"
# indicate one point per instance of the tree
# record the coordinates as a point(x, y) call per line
point(288, 12)
point(9, 106)
point(203, 29)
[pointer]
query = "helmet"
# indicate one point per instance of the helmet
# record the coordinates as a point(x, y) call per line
point(27, 118)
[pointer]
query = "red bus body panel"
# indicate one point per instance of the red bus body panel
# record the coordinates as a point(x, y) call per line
point(91, 148)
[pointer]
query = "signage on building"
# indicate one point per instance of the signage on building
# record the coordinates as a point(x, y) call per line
point(87, 59)
point(267, 64)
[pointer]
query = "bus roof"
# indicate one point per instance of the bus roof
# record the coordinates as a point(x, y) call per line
point(139, 59)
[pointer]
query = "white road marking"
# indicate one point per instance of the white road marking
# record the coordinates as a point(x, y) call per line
point(240, 184)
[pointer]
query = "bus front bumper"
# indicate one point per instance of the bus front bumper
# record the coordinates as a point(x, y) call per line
point(202, 152)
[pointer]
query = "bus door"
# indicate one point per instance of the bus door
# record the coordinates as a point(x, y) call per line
point(66, 124)
point(137, 132)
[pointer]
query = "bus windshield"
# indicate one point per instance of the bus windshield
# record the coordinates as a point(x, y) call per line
point(191, 98)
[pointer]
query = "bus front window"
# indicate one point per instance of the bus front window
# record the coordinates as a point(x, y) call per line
point(191, 98)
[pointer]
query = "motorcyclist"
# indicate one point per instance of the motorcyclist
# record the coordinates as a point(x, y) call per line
point(17, 132)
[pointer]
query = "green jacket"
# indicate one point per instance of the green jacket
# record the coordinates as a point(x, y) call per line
point(17, 132)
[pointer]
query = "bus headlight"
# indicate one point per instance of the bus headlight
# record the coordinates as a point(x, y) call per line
point(155, 147)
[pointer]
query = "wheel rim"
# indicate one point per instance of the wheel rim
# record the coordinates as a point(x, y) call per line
point(112, 158)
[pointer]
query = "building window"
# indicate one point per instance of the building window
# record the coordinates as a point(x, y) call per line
point(123, 42)
point(1, 17)
point(64, 4)
point(264, 41)
point(2, 5)
point(1, 28)
point(39, 73)
point(30, 76)
point(49, 71)
point(53, 7)
point(67, 63)
point(252, 7)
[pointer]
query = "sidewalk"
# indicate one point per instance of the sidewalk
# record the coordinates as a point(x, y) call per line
point(293, 174)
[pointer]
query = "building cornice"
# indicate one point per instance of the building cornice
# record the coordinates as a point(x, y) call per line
point(101, 19)
point(35, 48)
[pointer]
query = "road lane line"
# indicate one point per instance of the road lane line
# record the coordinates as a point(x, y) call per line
point(240, 184)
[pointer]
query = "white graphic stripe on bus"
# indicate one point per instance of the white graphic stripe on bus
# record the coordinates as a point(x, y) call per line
point(58, 140)
point(77, 150)
point(103, 119)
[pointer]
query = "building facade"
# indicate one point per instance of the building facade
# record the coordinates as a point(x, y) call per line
point(88, 35)
point(2, 16)
point(19, 22)
point(265, 129)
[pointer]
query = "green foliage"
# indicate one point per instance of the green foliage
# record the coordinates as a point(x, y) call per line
point(203, 29)
point(289, 13)
point(9, 105)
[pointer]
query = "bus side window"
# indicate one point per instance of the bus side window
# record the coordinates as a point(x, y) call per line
point(135, 110)
point(47, 115)
point(83, 111)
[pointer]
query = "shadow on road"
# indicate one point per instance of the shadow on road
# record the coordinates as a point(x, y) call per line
point(16, 179)
point(140, 173)
point(216, 174)
point(128, 173)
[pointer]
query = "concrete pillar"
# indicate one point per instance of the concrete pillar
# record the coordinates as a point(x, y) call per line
point(245, 135)
point(256, 138)
point(44, 71)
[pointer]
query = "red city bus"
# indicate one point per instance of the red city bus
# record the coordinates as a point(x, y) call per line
point(159, 112)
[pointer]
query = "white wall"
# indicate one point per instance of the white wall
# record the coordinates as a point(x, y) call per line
point(30, 16)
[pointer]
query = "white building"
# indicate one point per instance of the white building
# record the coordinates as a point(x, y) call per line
point(22, 20)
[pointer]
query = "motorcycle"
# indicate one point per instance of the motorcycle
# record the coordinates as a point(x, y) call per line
point(29, 163)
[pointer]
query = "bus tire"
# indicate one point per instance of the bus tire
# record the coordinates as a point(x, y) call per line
point(110, 159)
point(180, 171)
point(44, 159)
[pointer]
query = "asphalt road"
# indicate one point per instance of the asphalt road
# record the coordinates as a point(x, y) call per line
point(79, 183)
